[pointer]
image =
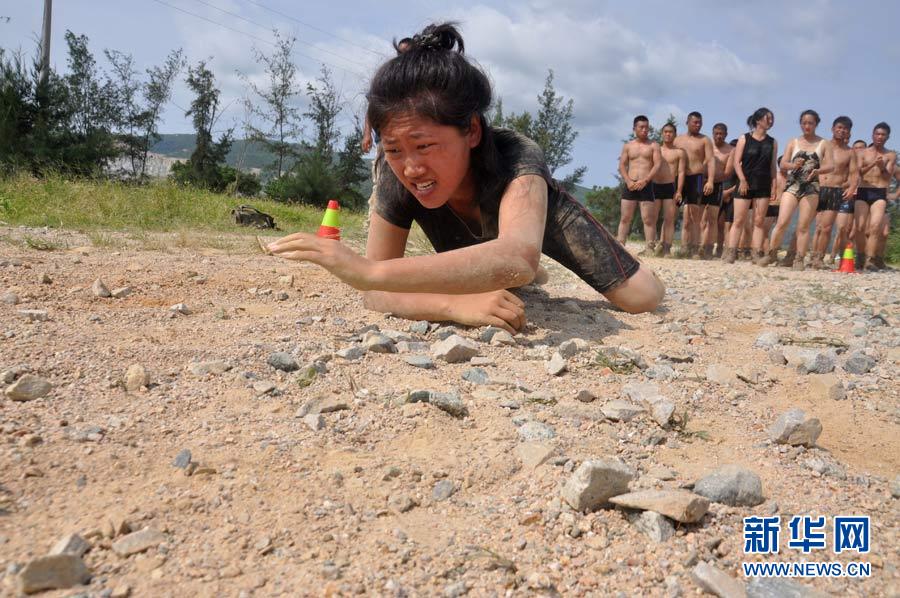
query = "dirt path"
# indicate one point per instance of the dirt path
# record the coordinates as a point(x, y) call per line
point(275, 507)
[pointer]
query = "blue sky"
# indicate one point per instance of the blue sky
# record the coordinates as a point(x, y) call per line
point(615, 59)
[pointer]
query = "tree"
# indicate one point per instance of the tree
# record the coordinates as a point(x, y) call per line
point(324, 108)
point(603, 202)
point(202, 169)
point(156, 91)
point(281, 117)
point(351, 168)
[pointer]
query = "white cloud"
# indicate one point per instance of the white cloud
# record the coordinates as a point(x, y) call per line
point(610, 70)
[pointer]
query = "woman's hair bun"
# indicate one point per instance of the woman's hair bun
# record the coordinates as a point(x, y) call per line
point(442, 36)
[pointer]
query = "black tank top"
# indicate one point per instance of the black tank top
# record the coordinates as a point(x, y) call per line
point(757, 161)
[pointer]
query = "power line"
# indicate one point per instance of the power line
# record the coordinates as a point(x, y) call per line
point(315, 47)
point(313, 27)
point(257, 38)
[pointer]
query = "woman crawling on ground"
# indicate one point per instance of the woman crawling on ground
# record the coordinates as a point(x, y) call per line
point(482, 195)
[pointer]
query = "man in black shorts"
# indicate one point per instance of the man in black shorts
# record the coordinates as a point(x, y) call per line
point(710, 204)
point(638, 164)
point(698, 182)
point(876, 170)
point(836, 192)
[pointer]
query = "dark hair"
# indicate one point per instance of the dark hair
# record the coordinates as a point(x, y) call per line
point(640, 118)
point(733, 142)
point(722, 126)
point(860, 141)
point(695, 114)
point(811, 113)
point(669, 125)
point(884, 126)
point(843, 120)
point(757, 116)
point(431, 77)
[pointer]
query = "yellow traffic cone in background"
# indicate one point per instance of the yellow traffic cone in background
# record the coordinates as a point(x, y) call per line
point(331, 222)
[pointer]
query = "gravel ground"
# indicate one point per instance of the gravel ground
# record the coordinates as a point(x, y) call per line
point(278, 439)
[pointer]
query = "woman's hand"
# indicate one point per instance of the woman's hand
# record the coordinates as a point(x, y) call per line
point(743, 188)
point(813, 174)
point(799, 162)
point(332, 255)
point(496, 308)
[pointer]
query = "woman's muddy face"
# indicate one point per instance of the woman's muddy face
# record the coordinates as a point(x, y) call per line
point(431, 160)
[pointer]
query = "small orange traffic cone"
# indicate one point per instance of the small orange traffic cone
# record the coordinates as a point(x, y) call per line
point(848, 261)
point(331, 222)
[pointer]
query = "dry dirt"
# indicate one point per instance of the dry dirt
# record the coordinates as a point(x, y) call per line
point(277, 508)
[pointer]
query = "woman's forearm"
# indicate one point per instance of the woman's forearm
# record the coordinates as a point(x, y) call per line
point(489, 266)
point(412, 306)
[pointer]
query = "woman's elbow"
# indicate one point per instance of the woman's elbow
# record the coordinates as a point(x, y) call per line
point(523, 268)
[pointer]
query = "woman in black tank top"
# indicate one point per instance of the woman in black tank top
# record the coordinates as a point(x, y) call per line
point(754, 164)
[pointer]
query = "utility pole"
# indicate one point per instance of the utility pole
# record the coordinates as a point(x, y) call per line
point(45, 42)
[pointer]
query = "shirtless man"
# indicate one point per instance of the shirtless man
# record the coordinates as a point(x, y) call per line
point(638, 164)
point(840, 242)
point(698, 181)
point(667, 186)
point(876, 169)
point(724, 169)
point(836, 192)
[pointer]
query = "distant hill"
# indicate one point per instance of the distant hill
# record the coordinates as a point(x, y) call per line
point(251, 155)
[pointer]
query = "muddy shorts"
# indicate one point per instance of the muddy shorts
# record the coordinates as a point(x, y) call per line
point(645, 194)
point(575, 239)
point(715, 198)
point(871, 194)
point(772, 211)
point(831, 199)
point(692, 192)
point(799, 187)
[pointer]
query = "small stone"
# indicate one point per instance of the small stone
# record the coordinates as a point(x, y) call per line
point(137, 542)
point(135, 377)
point(811, 361)
point(569, 349)
point(557, 365)
point(283, 361)
point(859, 363)
point(420, 327)
point(767, 340)
point(10, 298)
point(99, 289)
point(717, 582)
point(180, 308)
point(776, 356)
point(475, 376)
point(585, 396)
point(487, 335)
point(71, 544)
point(443, 490)
point(264, 387)
point(721, 374)
point(455, 590)
point(534, 454)
point(286, 280)
point(322, 405)
point(419, 361)
point(503, 338)
point(794, 428)
point(532, 431)
point(402, 503)
point(121, 591)
point(662, 411)
point(34, 315)
point(731, 485)
point(826, 387)
point(216, 366)
point(444, 332)
point(641, 392)
point(351, 353)
point(768, 587)
point(54, 572)
point(448, 402)
point(454, 349)
point(679, 505)
point(653, 525)
point(895, 487)
point(121, 292)
point(378, 343)
point(314, 421)
point(182, 459)
point(595, 482)
point(28, 387)
point(621, 411)
point(412, 347)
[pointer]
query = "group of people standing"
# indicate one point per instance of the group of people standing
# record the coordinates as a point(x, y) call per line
point(739, 198)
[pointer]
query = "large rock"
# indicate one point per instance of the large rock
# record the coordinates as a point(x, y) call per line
point(767, 340)
point(137, 542)
point(796, 429)
point(641, 392)
point(595, 482)
point(621, 411)
point(283, 361)
point(679, 505)
point(54, 572)
point(535, 431)
point(557, 365)
point(534, 454)
point(448, 402)
point(71, 544)
point(653, 525)
point(826, 387)
point(28, 388)
point(454, 349)
point(811, 361)
point(135, 377)
point(859, 363)
point(731, 485)
point(379, 343)
point(721, 374)
point(99, 289)
point(768, 587)
point(717, 582)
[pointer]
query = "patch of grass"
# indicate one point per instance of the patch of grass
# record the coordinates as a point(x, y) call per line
point(161, 206)
point(101, 238)
point(679, 425)
point(43, 244)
